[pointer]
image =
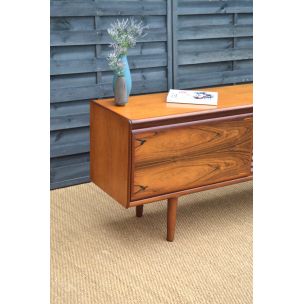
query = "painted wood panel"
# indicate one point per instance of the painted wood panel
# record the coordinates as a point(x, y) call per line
point(79, 72)
point(70, 169)
point(59, 67)
point(107, 8)
point(189, 44)
point(214, 7)
point(207, 32)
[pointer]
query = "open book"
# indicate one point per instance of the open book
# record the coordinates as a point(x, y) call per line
point(192, 97)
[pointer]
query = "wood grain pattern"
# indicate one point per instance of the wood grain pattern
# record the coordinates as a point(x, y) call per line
point(194, 57)
point(79, 70)
point(166, 160)
point(179, 193)
point(169, 154)
point(66, 38)
point(171, 218)
point(190, 43)
point(60, 67)
point(192, 80)
point(107, 8)
point(212, 31)
point(203, 27)
point(154, 105)
point(109, 153)
point(214, 7)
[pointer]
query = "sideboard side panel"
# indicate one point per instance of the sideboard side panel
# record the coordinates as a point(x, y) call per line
point(109, 153)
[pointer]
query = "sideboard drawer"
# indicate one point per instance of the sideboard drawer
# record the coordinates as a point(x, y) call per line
point(168, 159)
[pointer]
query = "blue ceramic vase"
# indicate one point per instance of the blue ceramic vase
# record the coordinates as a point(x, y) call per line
point(127, 77)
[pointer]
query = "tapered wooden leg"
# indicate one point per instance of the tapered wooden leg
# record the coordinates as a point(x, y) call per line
point(171, 218)
point(139, 210)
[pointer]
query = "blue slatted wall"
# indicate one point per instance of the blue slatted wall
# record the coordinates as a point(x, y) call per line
point(189, 44)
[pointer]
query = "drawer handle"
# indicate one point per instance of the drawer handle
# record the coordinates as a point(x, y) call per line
point(141, 188)
point(142, 141)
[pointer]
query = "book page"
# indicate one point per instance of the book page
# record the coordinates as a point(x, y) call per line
point(192, 97)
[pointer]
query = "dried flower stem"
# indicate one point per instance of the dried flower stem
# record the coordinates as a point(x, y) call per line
point(125, 34)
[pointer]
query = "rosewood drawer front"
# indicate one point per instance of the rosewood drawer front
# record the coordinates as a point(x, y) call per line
point(170, 159)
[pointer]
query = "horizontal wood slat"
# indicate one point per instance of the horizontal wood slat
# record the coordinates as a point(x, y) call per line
point(60, 67)
point(216, 31)
point(59, 38)
point(214, 7)
point(70, 182)
point(69, 160)
point(70, 121)
point(70, 148)
point(103, 90)
point(211, 32)
point(215, 56)
point(211, 42)
point(70, 141)
point(70, 170)
point(107, 8)
point(63, 173)
point(211, 79)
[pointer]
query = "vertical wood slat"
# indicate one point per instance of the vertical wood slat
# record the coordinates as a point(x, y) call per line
point(213, 22)
point(174, 41)
point(87, 78)
point(67, 129)
point(97, 50)
point(235, 17)
point(169, 44)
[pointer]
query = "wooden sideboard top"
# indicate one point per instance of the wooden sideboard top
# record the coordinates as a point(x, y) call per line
point(149, 106)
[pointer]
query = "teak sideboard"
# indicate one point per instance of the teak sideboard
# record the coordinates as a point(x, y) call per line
point(150, 150)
